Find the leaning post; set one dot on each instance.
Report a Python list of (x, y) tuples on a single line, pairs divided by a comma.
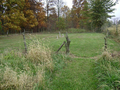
[(60, 47)]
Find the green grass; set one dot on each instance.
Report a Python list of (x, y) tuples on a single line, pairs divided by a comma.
[(70, 30), (107, 72), (84, 44), (75, 73)]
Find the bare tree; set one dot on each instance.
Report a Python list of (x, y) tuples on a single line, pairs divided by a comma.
[(49, 5), (59, 4)]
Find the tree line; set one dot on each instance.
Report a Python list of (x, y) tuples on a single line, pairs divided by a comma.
[(51, 15)]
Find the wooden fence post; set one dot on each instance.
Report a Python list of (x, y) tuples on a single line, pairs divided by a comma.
[(59, 34), (24, 42), (105, 49), (107, 33), (67, 44)]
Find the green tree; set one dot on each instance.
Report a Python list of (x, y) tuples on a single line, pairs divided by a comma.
[(100, 10), (30, 17), (65, 14), (13, 15), (60, 24), (109, 23)]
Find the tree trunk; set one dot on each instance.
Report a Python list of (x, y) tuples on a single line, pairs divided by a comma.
[(58, 10), (2, 21), (7, 33), (2, 27), (47, 8)]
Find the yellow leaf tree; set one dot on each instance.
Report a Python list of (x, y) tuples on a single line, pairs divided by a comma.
[(13, 16), (31, 20), (18, 15)]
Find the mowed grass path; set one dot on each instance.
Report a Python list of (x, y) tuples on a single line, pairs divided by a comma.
[(77, 75), (78, 72)]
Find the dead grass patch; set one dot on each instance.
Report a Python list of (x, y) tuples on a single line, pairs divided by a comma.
[(23, 81), (40, 54)]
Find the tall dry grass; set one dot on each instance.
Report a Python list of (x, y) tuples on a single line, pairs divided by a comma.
[(106, 55), (32, 71), (23, 81), (40, 54), (25, 72), (112, 30)]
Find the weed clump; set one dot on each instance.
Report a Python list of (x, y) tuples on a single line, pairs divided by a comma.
[(106, 55), (107, 72), (9, 79), (23, 81), (40, 54)]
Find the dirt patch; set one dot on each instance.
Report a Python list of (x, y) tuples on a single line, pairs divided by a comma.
[(115, 54), (95, 57), (79, 37)]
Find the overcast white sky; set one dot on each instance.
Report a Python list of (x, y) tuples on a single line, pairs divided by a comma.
[(116, 12)]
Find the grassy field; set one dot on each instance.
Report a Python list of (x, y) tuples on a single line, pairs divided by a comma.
[(72, 72)]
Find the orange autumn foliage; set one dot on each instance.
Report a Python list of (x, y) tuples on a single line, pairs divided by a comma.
[(77, 9), (40, 15)]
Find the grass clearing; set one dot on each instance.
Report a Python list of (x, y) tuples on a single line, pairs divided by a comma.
[(75, 73)]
